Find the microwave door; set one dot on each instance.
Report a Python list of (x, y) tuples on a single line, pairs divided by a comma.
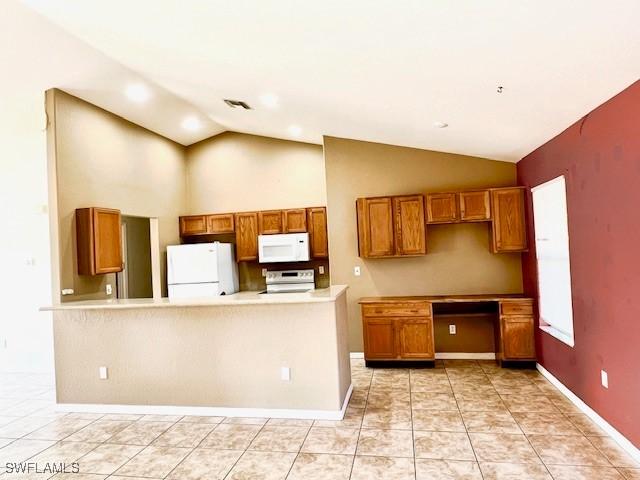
[(277, 252)]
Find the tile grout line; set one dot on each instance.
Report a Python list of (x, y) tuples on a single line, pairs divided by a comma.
[(413, 436), (460, 412), (144, 447), (300, 449), (193, 449), (366, 403), (245, 450)]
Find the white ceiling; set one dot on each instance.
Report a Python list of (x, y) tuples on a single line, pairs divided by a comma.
[(36, 55), (378, 70)]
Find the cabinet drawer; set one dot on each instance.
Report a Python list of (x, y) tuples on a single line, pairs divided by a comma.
[(397, 310), (516, 308)]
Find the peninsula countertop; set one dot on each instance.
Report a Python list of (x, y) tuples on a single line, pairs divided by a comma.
[(329, 294)]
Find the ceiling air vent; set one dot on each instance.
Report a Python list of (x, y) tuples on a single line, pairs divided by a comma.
[(237, 103)]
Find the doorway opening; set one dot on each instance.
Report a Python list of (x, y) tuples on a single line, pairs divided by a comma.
[(136, 278)]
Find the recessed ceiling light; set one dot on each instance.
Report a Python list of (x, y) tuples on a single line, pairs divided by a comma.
[(440, 124), (191, 123), (269, 100), (295, 130), (138, 92)]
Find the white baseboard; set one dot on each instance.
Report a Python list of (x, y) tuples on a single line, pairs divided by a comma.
[(448, 356), (465, 356), (629, 447), (210, 411)]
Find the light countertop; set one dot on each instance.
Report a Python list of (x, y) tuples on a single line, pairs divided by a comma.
[(241, 298)]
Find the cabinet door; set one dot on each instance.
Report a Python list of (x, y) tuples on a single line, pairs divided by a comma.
[(107, 240), (442, 208), (508, 230), (379, 338), (410, 225), (375, 227), (246, 236), (220, 223), (416, 338), (269, 222), (474, 206), (317, 225), (193, 225), (295, 221), (517, 338)]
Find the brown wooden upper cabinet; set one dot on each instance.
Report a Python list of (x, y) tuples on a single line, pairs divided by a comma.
[(474, 206), (409, 225), (98, 241), (442, 208), (508, 229), (270, 222), (246, 224), (220, 223), (391, 226), (193, 225), (317, 227), (295, 220)]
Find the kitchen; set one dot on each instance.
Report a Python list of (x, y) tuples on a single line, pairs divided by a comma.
[(243, 243), (264, 263)]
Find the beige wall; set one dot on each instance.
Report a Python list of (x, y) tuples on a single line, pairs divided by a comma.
[(234, 172), (103, 160), (458, 259), (238, 351)]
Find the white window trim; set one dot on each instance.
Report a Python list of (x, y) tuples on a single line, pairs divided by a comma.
[(549, 329), (554, 332)]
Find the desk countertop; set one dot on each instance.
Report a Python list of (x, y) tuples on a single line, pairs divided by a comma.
[(449, 298)]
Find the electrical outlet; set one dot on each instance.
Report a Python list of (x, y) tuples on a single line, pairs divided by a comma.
[(452, 329), (103, 373), (67, 291), (285, 374), (321, 269), (109, 289), (264, 272), (604, 378), (356, 271)]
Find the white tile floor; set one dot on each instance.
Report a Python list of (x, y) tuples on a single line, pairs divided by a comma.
[(461, 420)]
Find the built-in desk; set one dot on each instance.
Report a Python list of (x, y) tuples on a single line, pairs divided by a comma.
[(401, 328)]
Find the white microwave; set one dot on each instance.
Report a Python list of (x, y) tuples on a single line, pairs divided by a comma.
[(287, 247)]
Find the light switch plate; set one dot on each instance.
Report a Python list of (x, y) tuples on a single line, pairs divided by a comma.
[(604, 378), (285, 374), (356, 271), (321, 269), (103, 373)]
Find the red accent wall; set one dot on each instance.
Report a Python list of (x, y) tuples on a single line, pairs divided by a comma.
[(600, 157)]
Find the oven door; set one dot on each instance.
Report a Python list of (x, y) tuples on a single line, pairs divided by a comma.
[(292, 247)]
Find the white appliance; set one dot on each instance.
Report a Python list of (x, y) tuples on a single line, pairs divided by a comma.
[(201, 270), (290, 281), (286, 247)]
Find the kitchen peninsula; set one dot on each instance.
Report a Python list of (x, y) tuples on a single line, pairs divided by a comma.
[(247, 354)]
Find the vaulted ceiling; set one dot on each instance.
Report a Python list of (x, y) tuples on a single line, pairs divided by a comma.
[(377, 70)]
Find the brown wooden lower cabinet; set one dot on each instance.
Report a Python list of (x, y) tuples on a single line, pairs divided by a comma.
[(398, 331), (415, 338), (401, 328)]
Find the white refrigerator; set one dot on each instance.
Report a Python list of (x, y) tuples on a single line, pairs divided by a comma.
[(201, 270)]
